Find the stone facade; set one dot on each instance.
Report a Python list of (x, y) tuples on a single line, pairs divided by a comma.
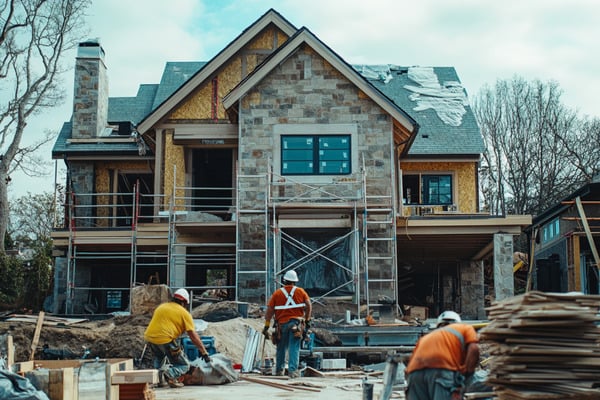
[(90, 98), (306, 91)]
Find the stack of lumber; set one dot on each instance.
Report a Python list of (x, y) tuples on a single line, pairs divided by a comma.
[(135, 385), (544, 346)]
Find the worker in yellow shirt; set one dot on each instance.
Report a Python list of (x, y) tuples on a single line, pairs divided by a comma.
[(169, 321)]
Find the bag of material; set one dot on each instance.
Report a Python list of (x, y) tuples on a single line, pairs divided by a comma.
[(218, 372)]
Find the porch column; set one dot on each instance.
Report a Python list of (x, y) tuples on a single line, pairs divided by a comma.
[(504, 285)]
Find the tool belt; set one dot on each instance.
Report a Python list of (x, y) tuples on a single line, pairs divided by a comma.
[(298, 328), (276, 335), (175, 349)]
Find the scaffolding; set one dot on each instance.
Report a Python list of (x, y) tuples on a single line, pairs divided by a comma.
[(368, 215), (175, 236)]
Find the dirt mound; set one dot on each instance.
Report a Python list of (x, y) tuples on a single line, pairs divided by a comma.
[(123, 336)]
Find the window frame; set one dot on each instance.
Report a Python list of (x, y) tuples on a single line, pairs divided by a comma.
[(316, 129), (406, 176), (317, 151)]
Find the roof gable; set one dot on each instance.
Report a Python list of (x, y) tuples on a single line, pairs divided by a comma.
[(166, 105), (304, 36)]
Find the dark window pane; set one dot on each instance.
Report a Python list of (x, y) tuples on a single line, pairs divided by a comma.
[(315, 155)]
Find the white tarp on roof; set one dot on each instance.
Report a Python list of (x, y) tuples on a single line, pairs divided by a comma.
[(375, 72), (448, 100)]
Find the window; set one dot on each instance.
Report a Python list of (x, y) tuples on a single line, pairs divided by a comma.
[(315, 155), (551, 230), (427, 189)]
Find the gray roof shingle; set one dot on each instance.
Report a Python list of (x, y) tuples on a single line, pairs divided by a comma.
[(435, 137)]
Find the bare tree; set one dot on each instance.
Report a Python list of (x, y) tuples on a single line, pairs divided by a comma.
[(34, 35), (531, 140)]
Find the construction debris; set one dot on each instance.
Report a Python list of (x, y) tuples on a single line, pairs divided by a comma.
[(544, 346)]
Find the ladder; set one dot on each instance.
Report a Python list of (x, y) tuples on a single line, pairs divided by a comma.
[(379, 247), (252, 236)]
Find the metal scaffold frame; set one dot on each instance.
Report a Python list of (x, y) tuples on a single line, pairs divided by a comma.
[(248, 211), (373, 226)]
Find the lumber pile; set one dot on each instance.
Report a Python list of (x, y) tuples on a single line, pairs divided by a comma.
[(544, 346), (136, 385)]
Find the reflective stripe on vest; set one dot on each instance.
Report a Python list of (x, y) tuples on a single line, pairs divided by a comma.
[(456, 333), (290, 300)]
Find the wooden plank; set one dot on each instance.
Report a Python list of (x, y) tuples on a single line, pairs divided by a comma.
[(10, 352), (267, 383), (61, 384), (36, 336), (136, 376)]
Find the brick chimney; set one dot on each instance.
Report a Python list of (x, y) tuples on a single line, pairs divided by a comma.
[(90, 98)]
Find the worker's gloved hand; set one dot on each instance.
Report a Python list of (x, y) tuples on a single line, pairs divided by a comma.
[(265, 331), (205, 357), (307, 324)]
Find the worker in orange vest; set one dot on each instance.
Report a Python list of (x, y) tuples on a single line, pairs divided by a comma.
[(442, 360), (291, 307)]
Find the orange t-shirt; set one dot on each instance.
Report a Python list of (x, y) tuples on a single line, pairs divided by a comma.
[(278, 299), (442, 348)]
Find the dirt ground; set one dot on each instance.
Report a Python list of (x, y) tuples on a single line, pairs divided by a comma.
[(122, 336)]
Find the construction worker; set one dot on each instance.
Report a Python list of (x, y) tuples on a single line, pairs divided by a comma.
[(291, 307), (169, 321), (442, 360)]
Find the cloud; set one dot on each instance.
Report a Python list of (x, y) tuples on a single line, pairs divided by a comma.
[(485, 41)]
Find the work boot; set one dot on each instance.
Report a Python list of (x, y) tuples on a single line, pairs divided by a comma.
[(280, 372), (294, 374), (162, 380), (172, 382)]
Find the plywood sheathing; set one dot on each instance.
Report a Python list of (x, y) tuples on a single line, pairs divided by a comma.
[(102, 183), (198, 106), (174, 169), (465, 180)]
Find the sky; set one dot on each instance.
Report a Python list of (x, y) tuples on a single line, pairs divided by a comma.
[(485, 41)]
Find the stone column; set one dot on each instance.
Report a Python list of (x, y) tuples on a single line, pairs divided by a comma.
[(504, 285), (472, 290)]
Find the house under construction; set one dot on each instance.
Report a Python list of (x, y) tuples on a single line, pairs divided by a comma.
[(277, 154)]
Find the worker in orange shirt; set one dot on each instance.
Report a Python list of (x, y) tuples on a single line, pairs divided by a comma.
[(291, 307), (442, 360)]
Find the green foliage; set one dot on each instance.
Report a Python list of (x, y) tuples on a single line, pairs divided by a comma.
[(11, 280), (39, 276)]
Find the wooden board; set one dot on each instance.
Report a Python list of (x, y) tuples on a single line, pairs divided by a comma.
[(36, 335), (136, 376)]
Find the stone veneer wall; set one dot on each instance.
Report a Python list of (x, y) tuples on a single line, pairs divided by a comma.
[(305, 89), (81, 177), (90, 99), (472, 290)]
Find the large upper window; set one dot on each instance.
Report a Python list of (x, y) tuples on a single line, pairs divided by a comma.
[(427, 189), (315, 155)]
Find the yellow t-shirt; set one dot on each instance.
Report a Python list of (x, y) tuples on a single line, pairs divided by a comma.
[(168, 322)]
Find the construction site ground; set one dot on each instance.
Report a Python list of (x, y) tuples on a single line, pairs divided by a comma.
[(121, 336), (328, 388)]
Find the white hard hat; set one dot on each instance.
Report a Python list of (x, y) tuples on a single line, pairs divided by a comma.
[(182, 294), (290, 276), (448, 317)]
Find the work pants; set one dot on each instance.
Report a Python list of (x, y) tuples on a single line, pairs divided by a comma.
[(434, 384), (177, 362), (288, 344)]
